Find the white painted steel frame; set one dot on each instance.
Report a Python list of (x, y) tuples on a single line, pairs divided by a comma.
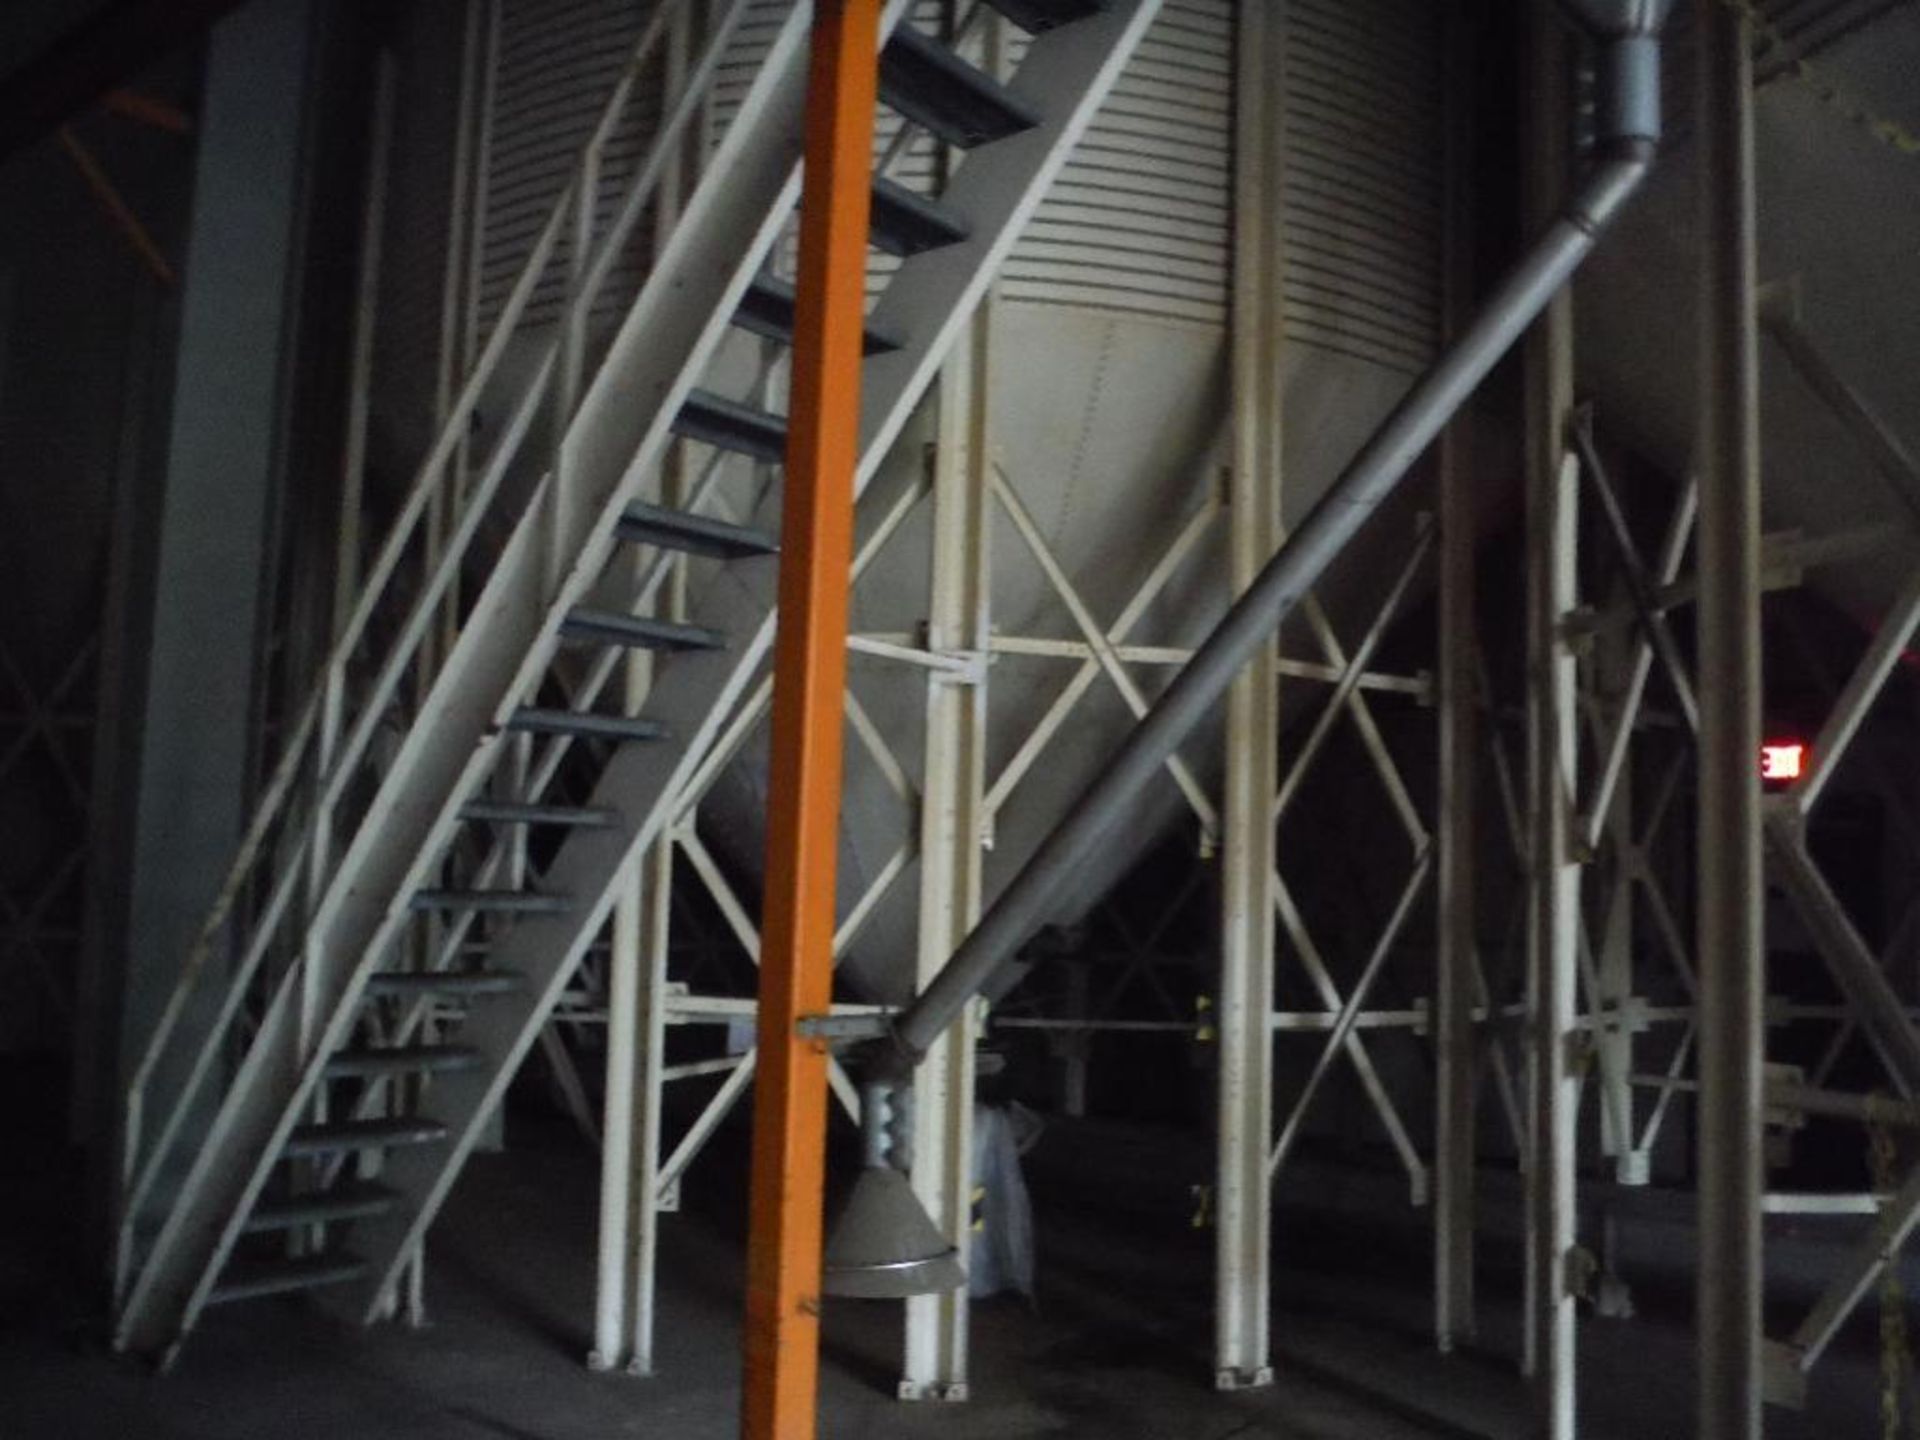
[(1347, 1010), (1060, 710), (638, 938), (950, 791), (1872, 1002), (1553, 934), (1553, 870), (1873, 1005), (1028, 529), (1892, 1026), (952, 841), (936, 1341), (1619, 672)]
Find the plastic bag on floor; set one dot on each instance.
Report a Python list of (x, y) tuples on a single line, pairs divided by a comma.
[(1000, 1254), (742, 1034)]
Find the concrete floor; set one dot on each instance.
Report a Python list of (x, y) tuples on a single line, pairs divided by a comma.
[(1117, 1347)]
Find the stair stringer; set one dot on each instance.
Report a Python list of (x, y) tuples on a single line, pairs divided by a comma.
[(613, 444)]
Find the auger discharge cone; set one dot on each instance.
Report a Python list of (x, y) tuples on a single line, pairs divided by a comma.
[(885, 1246)]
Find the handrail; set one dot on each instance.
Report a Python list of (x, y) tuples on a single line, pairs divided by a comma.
[(335, 762), (544, 769), (291, 875)]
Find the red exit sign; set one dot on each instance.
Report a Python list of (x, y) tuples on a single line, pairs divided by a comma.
[(1782, 763)]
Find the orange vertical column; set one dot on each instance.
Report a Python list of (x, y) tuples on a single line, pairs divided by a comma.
[(810, 661)]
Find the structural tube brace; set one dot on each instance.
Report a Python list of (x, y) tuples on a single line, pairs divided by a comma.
[(1629, 118)]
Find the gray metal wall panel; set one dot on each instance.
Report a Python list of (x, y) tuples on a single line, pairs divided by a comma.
[(1138, 221), (222, 463), (427, 44), (1362, 178), (559, 61)]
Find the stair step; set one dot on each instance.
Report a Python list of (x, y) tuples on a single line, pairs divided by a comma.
[(333, 1136), (410, 984), (522, 812), (642, 632), (767, 309), (493, 902), (933, 87), (284, 1277), (698, 534), (1036, 17), (350, 1200), (905, 223), (585, 723), (401, 1060), (715, 420)]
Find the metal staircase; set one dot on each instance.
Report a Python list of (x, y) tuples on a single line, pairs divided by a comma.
[(315, 1101)]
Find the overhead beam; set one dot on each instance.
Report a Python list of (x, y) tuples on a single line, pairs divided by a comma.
[(118, 42), (122, 214)]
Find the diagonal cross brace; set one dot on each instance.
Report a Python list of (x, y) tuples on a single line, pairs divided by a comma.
[(1016, 769), (1109, 660), (1346, 695), (1348, 1013), (1316, 967), (1656, 636), (1863, 687), (1898, 1217), (1362, 711), (1852, 963)]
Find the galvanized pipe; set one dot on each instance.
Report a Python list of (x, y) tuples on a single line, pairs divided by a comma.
[(1296, 567)]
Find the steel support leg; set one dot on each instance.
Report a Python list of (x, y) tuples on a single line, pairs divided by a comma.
[(1076, 1048), (1455, 983), (1552, 749), (1731, 953), (1619, 669), (656, 907), (616, 1135), (780, 1393), (951, 828), (1554, 951), (630, 1127), (1243, 1231)]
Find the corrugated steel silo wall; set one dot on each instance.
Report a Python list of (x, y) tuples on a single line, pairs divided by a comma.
[(427, 44), (1108, 390)]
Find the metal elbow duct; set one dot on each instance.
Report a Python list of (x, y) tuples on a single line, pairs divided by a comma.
[(1628, 35)]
